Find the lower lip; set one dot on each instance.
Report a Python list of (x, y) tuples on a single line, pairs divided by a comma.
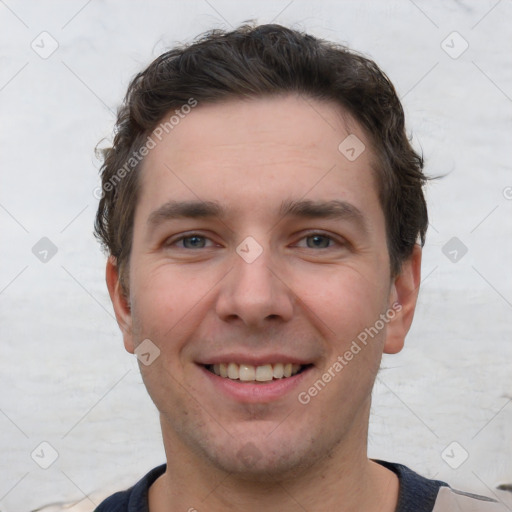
[(255, 393)]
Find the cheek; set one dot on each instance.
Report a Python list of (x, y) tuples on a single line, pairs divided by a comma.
[(169, 303), (345, 300)]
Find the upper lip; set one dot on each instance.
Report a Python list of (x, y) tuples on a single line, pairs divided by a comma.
[(254, 360)]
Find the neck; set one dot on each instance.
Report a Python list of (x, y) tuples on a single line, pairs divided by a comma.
[(345, 481)]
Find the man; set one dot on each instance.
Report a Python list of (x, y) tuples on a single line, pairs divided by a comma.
[(263, 213)]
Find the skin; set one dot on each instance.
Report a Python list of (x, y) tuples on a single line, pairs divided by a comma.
[(305, 296)]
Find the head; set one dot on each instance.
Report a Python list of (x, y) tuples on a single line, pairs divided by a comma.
[(253, 62), (239, 142)]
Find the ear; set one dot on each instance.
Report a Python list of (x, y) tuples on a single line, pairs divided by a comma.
[(404, 291), (120, 303)]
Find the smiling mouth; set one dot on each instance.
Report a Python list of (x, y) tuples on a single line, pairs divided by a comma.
[(249, 373)]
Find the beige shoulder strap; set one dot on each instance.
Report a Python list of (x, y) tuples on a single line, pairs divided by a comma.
[(451, 500)]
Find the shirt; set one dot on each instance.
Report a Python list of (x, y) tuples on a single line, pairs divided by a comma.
[(416, 494)]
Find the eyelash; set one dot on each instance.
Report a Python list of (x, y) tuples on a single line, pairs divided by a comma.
[(198, 235)]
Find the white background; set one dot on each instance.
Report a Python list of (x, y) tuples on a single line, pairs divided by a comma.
[(64, 375)]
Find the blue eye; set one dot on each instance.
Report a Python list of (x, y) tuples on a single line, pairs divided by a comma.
[(192, 241), (318, 241)]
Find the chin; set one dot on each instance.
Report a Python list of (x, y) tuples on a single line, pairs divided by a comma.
[(267, 468), (264, 458)]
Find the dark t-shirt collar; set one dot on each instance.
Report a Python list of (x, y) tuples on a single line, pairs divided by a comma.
[(416, 494)]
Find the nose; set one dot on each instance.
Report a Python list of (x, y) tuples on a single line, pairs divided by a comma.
[(254, 293)]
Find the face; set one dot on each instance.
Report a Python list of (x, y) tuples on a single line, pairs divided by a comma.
[(259, 249)]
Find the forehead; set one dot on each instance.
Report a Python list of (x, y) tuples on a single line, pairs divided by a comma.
[(240, 151)]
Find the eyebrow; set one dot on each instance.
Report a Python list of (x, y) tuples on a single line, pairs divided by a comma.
[(335, 209), (185, 209), (307, 209)]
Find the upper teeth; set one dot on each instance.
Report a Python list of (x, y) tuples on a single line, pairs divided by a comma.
[(248, 372)]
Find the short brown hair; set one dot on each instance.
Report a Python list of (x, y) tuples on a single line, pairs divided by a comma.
[(258, 61)]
